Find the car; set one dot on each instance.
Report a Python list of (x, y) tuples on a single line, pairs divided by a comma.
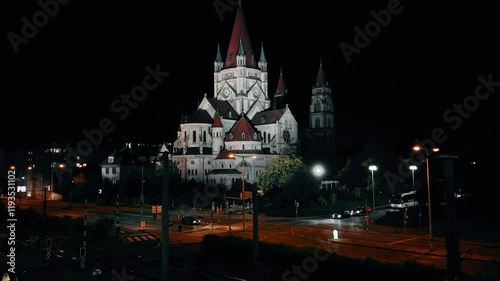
[(342, 215), (361, 210), (190, 220)]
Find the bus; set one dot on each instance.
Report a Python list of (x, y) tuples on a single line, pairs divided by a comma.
[(403, 200)]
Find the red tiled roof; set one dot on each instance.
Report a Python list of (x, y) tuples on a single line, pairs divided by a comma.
[(240, 31), (268, 116), (320, 79), (217, 122), (281, 84), (243, 130)]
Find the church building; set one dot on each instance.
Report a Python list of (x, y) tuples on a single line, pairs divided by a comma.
[(240, 127)]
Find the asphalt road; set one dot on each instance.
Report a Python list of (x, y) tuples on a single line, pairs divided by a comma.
[(385, 244)]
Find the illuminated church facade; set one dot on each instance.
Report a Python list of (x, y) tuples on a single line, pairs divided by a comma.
[(240, 128)]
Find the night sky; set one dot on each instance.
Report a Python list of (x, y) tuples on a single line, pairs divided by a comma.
[(397, 87)]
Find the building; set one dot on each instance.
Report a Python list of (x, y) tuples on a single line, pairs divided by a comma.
[(240, 127), (241, 119), (141, 160), (318, 140)]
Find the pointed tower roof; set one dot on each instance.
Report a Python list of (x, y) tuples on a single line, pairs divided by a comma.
[(320, 79), (217, 121), (281, 83), (240, 31), (262, 56), (242, 130), (241, 50), (218, 56)]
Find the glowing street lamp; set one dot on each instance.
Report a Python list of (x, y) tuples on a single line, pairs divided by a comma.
[(413, 168), (373, 168), (318, 171), (427, 154)]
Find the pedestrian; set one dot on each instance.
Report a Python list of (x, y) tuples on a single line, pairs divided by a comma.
[(180, 228)]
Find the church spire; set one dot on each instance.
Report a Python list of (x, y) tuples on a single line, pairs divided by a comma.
[(280, 94), (320, 79), (240, 31)]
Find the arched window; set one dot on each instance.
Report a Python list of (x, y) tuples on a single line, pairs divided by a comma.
[(204, 136), (264, 137), (194, 136), (317, 123), (243, 136)]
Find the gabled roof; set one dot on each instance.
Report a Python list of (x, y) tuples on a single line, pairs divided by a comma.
[(240, 32), (133, 153), (199, 116), (242, 130), (268, 116), (223, 108)]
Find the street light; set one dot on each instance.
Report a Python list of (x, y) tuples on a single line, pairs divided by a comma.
[(243, 184), (255, 222), (413, 168), (427, 154), (318, 171), (373, 168)]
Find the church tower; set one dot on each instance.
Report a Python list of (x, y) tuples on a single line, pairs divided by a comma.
[(320, 136), (239, 78)]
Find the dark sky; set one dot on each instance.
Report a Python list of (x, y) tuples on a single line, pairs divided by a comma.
[(420, 62)]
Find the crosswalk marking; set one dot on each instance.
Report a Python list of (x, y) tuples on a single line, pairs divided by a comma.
[(137, 238)]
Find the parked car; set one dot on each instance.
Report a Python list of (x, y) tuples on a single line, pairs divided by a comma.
[(342, 215), (190, 220)]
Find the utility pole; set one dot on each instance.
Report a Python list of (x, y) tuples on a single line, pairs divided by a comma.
[(143, 223), (51, 184), (451, 234), (165, 219), (255, 231)]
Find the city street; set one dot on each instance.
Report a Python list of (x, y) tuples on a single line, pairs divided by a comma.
[(383, 243)]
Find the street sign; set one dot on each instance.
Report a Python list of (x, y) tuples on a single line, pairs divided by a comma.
[(248, 194)]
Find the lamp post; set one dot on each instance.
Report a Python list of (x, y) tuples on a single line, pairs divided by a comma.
[(373, 168), (427, 154), (242, 184), (413, 168), (255, 243), (143, 223)]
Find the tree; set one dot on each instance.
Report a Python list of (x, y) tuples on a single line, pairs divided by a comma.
[(282, 171)]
